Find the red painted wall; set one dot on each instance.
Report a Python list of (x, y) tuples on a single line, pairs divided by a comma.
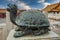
[(2, 15)]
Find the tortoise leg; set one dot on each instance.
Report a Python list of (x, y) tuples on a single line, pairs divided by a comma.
[(35, 31), (40, 31), (20, 33)]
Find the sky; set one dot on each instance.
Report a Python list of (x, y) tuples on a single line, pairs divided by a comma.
[(28, 4)]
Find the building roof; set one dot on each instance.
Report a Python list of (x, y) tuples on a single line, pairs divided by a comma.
[(53, 8), (4, 10)]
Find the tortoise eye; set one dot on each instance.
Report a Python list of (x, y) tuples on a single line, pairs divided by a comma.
[(8, 9)]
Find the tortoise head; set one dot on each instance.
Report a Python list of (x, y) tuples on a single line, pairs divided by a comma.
[(12, 8)]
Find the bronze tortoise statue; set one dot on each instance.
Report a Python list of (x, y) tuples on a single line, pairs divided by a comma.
[(29, 22)]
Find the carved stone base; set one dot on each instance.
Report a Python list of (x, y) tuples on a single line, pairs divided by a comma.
[(51, 34)]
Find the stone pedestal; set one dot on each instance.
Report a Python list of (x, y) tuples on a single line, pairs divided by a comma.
[(51, 34)]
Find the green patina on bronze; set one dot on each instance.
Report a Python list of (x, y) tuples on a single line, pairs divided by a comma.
[(30, 22)]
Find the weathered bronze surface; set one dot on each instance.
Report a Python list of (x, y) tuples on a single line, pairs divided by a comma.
[(29, 22)]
